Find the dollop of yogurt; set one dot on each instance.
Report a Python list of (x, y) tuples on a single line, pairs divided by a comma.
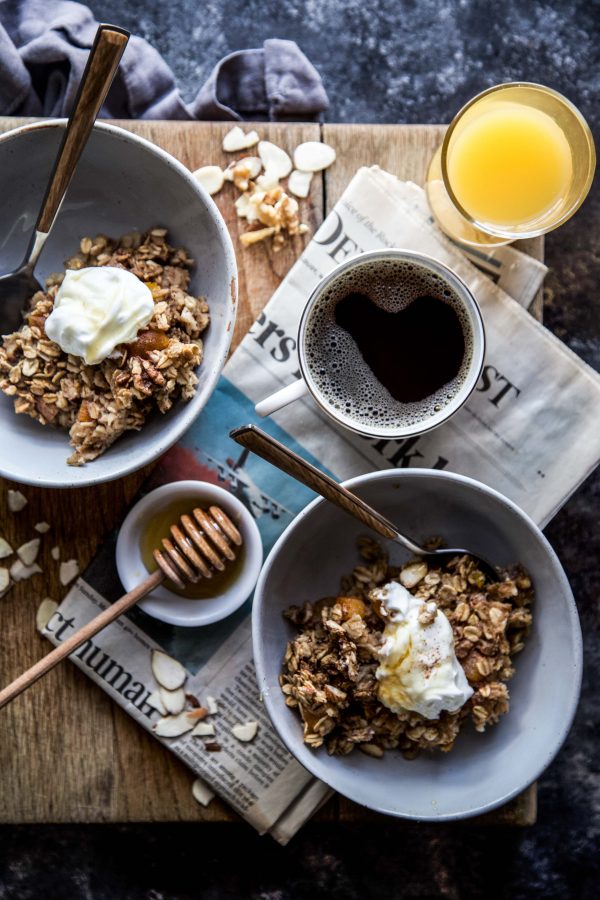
[(418, 668), (96, 309)]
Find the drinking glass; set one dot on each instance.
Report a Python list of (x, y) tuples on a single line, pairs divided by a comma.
[(516, 162)]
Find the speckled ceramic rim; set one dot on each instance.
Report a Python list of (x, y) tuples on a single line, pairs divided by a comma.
[(507, 234), (261, 599), (470, 306), (194, 406)]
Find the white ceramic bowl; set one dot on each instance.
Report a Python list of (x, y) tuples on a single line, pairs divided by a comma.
[(122, 183), (483, 770), (162, 603)]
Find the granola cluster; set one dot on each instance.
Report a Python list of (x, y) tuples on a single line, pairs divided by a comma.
[(96, 404), (329, 667)]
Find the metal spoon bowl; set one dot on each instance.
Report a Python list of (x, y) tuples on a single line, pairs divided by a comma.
[(279, 455)]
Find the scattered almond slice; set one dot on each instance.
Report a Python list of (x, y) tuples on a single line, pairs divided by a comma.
[(45, 611), (69, 570), (5, 549), (274, 159), (253, 237), (269, 180), (210, 177), (201, 792), (4, 581), (16, 501), (236, 139), (169, 673), (172, 726), (20, 572), (313, 156), (28, 552), (155, 701), (55, 553), (245, 732), (299, 183), (204, 729), (412, 574), (211, 705), (42, 527), (173, 701)]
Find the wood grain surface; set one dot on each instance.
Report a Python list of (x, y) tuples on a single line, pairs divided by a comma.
[(67, 752)]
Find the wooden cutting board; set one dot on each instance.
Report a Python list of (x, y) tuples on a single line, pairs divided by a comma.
[(67, 753)]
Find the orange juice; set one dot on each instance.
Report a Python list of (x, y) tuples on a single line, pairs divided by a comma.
[(509, 164)]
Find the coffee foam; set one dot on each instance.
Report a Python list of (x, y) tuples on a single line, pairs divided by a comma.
[(340, 376)]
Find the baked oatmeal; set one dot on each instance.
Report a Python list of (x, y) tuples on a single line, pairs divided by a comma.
[(332, 671), (98, 403)]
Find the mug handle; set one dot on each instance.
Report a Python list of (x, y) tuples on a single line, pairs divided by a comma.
[(281, 398)]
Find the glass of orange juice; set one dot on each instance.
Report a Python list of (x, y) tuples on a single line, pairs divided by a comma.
[(517, 161)]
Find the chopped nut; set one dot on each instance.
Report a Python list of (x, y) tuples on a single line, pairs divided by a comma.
[(20, 572), (155, 701), (243, 171), (299, 183), (28, 552), (412, 574), (201, 792), (173, 701), (235, 139), (69, 570), (212, 706), (5, 549), (16, 501), (55, 553), (172, 726), (200, 712), (193, 701), (253, 237), (245, 732), (42, 527), (212, 746), (169, 673), (46, 610), (275, 160), (203, 729), (313, 156), (210, 177), (4, 581)]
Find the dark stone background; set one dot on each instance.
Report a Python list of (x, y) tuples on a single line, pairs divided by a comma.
[(384, 61)]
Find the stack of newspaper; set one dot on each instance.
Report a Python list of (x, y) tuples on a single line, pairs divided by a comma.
[(535, 402)]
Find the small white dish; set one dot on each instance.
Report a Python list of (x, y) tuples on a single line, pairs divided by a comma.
[(162, 603)]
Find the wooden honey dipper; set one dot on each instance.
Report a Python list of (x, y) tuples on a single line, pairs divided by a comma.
[(202, 543)]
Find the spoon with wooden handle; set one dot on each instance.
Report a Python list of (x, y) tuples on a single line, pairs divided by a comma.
[(201, 543), (16, 288), (283, 458)]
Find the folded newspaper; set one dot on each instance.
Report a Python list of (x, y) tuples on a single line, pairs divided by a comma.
[(534, 403)]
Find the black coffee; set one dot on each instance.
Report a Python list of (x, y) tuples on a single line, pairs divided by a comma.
[(387, 345), (412, 352)]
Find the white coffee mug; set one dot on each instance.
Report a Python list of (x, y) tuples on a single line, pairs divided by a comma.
[(397, 421)]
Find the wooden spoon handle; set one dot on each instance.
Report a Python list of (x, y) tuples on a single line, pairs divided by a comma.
[(108, 615), (104, 58), (285, 459)]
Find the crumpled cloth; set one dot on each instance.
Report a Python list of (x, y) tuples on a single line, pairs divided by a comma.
[(44, 46)]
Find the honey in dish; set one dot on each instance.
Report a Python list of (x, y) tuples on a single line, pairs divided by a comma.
[(158, 528)]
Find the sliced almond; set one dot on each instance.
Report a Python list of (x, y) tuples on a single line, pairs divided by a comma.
[(173, 701), (245, 209), (274, 159), (28, 552), (169, 673), (269, 180), (55, 553), (155, 701), (69, 570), (211, 705), (4, 581), (42, 527), (5, 549), (313, 156), (20, 572), (236, 139), (210, 177), (45, 611), (201, 792), (16, 501), (412, 574), (253, 237), (245, 732), (299, 183), (172, 726), (203, 729)]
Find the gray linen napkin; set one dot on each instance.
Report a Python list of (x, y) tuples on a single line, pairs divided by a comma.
[(44, 46)]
